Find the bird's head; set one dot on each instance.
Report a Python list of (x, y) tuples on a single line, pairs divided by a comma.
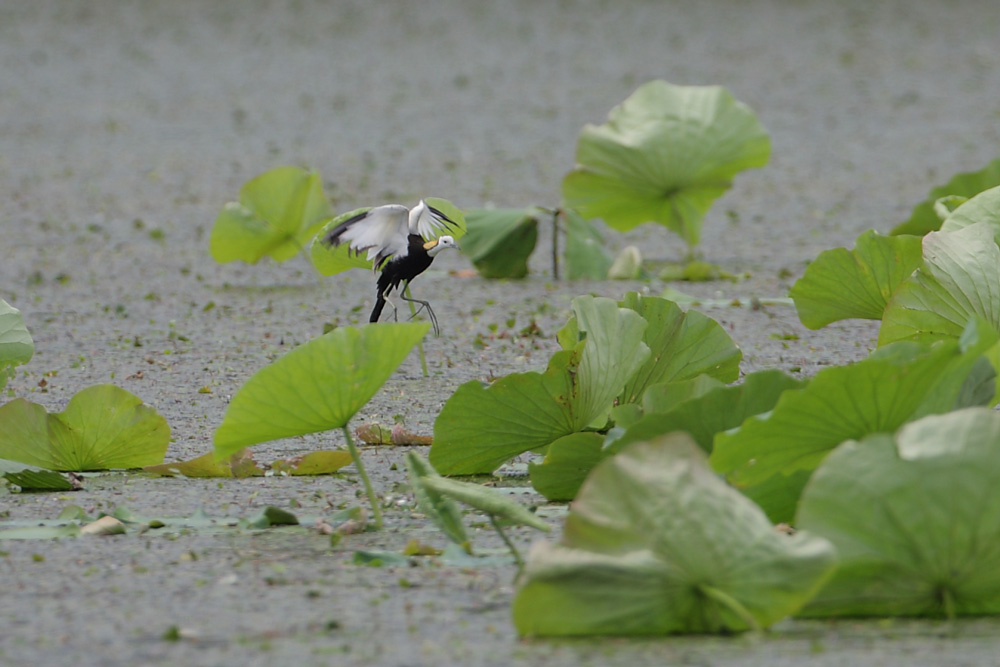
[(439, 244)]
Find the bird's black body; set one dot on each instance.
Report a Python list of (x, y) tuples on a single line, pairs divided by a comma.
[(400, 270)]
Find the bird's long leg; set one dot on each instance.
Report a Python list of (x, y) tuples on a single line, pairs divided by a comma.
[(423, 305)]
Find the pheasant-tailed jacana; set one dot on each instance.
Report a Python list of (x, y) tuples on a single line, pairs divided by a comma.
[(394, 238)]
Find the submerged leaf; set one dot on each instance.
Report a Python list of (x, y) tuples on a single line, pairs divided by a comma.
[(102, 427), (317, 386), (665, 155), (914, 518), (656, 543), (842, 284), (277, 215)]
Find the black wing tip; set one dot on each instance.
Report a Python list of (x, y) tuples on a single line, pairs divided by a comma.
[(439, 214), (332, 237)]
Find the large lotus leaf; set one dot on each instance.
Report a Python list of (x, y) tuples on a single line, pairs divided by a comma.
[(959, 279), (914, 518), (586, 255), (984, 207), (480, 428), (683, 345), (499, 241), (656, 543), (924, 219), (842, 284), (665, 155), (276, 216), (317, 386), (897, 384), (102, 427), (16, 346)]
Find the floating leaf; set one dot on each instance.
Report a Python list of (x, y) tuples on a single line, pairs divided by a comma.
[(317, 386), (843, 284), (586, 255), (923, 219), (656, 543), (665, 155), (480, 428), (959, 280), (31, 478), (240, 464), (102, 427), (16, 346), (277, 215), (914, 518), (499, 241), (440, 508), (896, 384)]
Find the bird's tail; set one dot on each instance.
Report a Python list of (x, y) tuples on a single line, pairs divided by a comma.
[(377, 310)]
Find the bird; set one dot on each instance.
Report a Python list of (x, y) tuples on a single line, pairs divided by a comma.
[(400, 242)]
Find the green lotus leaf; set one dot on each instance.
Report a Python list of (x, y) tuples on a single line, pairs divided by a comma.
[(842, 284), (665, 155), (895, 385), (16, 346), (486, 500), (567, 463), (480, 428), (586, 255), (33, 478), (102, 427), (683, 345), (914, 518), (656, 543), (924, 219), (499, 241), (277, 215), (317, 386), (959, 280), (984, 207)]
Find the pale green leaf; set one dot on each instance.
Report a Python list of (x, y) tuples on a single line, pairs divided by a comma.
[(914, 518), (656, 543), (665, 155), (16, 346), (923, 219), (102, 427)]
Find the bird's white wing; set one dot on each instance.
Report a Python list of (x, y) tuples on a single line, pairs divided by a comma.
[(381, 231), (428, 222)]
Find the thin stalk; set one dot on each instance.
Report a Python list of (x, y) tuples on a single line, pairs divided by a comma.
[(555, 243), (732, 604), (372, 498), (420, 343), (506, 540)]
